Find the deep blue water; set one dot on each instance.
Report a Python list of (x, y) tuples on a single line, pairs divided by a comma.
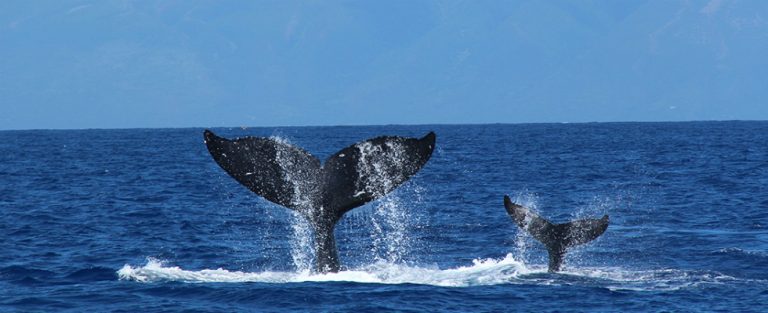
[(144, 220)]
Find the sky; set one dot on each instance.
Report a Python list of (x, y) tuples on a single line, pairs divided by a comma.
[(69, 64)]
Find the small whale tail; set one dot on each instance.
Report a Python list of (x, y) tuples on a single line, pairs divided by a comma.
[(556, 237), (289, 176)]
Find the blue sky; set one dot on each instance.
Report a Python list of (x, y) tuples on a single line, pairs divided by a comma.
[(125, 64)]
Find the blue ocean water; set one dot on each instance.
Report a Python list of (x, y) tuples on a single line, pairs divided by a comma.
[(144, 220)]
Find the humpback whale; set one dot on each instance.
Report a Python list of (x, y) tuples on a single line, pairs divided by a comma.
[(291, 177), (556, 237)]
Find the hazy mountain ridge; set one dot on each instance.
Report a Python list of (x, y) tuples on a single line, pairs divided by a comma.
[(133, 63)]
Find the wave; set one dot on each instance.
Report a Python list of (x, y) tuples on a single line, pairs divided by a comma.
[(25, 276), (483, 272), (739, 251)]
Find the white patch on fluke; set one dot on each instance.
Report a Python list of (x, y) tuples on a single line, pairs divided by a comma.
[(376, 165)]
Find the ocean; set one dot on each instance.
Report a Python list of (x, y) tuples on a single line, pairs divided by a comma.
[(144, 220)]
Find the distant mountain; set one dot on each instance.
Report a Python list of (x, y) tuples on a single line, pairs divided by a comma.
[(181, 63)]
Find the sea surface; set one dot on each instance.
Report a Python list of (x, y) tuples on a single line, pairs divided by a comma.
[(143, 220)]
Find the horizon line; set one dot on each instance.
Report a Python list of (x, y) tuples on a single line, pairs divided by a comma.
[(385, 125)]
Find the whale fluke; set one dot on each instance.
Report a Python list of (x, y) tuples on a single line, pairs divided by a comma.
[(556, 237), (290, 176)]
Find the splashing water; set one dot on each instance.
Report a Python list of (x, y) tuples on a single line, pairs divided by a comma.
[(390, 236), (301, 243), (598, 206), (303, 190), (523, 241), (390, 220), (482, 272)]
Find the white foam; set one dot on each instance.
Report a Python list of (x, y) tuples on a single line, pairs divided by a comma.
[(485, 272), (481, 272)]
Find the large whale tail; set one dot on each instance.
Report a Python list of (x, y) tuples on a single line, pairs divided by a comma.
[(289, 176), (556, 237)]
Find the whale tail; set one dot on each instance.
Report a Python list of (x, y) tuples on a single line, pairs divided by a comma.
[(556, 237), (290, 176)]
